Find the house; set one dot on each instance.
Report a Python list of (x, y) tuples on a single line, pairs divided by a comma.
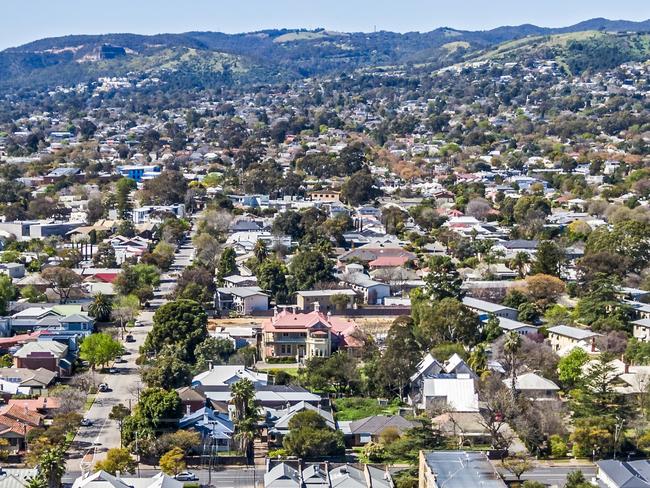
[(305, 299), (227, 374), (292, 474), (25, 381), (457, 469), (267, 396), (534, 386), (191, 399), (329, 196), (484, 309), (451, 385), (520, 328), (138, 172), (102, 479), (216, 429), (15, 425), (467, 428), (157, 213), (243, 300), (641, 329), (304, 335), (237, 281), (373, 292), (50, 355), (565, 338), (16, 477), (369, 429), (624, 474)]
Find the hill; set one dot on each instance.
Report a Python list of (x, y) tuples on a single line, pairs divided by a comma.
[(282, 54)]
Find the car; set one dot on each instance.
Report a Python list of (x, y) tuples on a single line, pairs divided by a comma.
[(186, 476), (129, 338), (139, 323), (103, 387), (86, 422), (113, 371), (120, 360)]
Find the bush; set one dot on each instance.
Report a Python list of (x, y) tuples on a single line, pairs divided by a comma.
[(558, 446)]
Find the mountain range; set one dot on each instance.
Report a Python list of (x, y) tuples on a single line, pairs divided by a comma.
[(284, 54)]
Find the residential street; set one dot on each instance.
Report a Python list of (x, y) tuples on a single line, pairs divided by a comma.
[(91, 443)]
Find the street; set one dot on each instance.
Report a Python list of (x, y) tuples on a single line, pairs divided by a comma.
[(91, 443), (553, 475)]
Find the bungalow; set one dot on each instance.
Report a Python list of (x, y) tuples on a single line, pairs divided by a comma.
[(369, 429), (216, 429), (279, 420), (102, 479), (237, 281), (25, 381), (641, 330)]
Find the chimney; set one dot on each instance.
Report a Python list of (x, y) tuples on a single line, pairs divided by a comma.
[(275, 311), (316, 306), (210, 365), (117, 474)]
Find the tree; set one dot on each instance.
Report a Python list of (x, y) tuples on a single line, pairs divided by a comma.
[(207, 248), (517, 465), (118, 413), (139, 280), (227, 265), (548, 259), (100, 349), (558, 446), (511, 348), (168, 371), (243, 398), (260, 251), (543, 289), (125, 309), (123, 189), (309, 437), (167, 189), (173, 461), (520, 262), (51, 464), (338, 372), (117, 459), (271, 277), (360, 188), (181, 324), (185, 440), (195, 283), (570, 367), (400, 357), (340, 301), (575, 479), (449, 321), (601, 309), (215, 349), (62, 281), (7, 293), (308, 268), (101, 307), (443, 280)]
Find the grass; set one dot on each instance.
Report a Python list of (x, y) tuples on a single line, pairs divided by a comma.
[(356, 408), (90, 399)]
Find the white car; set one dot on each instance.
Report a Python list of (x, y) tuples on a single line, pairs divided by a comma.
[(186, 476)]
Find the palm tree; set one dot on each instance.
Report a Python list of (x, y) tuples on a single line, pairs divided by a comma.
[(260, 251), (521, 261), (101, 307), (245, 435), (52, 466), (511, 348), (478, 359), (243, 398)]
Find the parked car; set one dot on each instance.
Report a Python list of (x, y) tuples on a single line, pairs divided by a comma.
[(113, 371), (186, 476), (86, 422), (129, 338), (103, 387), (120, 360)]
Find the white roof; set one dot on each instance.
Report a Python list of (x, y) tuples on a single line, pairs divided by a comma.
[(458, 392), (484, 305), (572, 332), (531, 381), (225, 374)]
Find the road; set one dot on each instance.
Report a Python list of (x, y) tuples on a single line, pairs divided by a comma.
[(91, 443), (553, 475), (225, 478)]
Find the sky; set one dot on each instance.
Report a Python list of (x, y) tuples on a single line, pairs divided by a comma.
[(27, 20)]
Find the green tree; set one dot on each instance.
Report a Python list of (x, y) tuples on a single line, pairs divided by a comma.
[(308, 268), (558, 446), (449, 321), (139, 280), (309, 437), (271, 277), (105, 256), (51, 464), (117, 459), (123, 189), (168, 371), (181, 324), (101, 307), (570, 367), (360, 188), (62, 280), (227, 265), (215, 349), (100, 349), (511, 348), (548, 259), (125, 309), (7, 293), (118, 413), (443, 280), (400, 357), (173, 461)]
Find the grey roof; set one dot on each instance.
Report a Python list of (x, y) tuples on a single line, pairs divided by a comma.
[(531, 381), (362, 280), (631, 474), (282, 476), (460, 469), (484, 305), (376, 424), (15, 478), (573, 332), (242, 291), (74, 318), (520, 244), (28, 377), (321, 293)]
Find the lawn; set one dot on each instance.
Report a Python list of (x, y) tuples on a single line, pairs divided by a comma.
[(356, 408)]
